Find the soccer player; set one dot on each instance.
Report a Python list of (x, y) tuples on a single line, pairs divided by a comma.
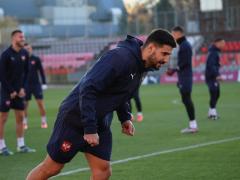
[(35, 87), (13, 75), (184, 72), (212, 76), (138, 103), (82, 122)]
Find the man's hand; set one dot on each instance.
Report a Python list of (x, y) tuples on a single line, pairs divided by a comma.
[(21, 93), (170, 71), (44, 87), (219, 78), (92, 139), (13, 95), (128, 128)]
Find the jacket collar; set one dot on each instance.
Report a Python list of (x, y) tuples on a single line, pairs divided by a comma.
[(181, 39)]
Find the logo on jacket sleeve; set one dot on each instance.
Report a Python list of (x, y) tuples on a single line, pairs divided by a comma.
[(66, 146)]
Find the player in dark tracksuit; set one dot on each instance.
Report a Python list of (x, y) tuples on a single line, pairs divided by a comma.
[(212, 76), (185, 80), (84, 118), (35, 86), (13, 75)]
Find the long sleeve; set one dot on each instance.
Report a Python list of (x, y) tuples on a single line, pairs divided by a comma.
[(213, 64), (42, 74), (184, 58), (3, 75), (96, 81), (123, 112), (25, 73)]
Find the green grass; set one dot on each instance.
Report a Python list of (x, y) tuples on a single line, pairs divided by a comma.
[(159, 131)]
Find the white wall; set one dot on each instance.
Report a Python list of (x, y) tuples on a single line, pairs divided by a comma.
[(68, 15)]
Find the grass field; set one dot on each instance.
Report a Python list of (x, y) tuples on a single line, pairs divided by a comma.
[(164, 117)]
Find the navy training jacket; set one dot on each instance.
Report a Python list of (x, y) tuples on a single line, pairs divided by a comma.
[(35, 69), (13, 70), (184, 59), (212, 63), (106, 87)]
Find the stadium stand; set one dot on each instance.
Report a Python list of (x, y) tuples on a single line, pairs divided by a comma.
[(71, 45), (231, 46), (66, 60), (229, 59), (68, 56)]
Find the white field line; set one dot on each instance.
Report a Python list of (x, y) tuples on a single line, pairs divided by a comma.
[(155, 154)]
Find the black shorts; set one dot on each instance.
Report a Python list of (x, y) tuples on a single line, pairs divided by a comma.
[(6, 103), (65, 142), (36, 90)]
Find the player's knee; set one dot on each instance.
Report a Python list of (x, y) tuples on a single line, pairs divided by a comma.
[(50, 170), (104, 173), (43, 171), (3, 119), (187, 101), (41, 106), (109, 172), (20, 116)]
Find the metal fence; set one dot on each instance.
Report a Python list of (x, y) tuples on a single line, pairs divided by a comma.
[(194, 21)]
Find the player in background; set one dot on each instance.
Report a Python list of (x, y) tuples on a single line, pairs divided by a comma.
[(185, 80), (35, 86), (212, 76), (138, 103), (83, 124), (13, 78)]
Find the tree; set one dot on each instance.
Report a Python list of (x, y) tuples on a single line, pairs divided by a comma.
[(164, 14), (7, 24), (123, 24)]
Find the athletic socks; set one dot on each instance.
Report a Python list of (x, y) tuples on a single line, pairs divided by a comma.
[(193, 124), (2, 143), (20, 142), (25, 120), (44, 119)]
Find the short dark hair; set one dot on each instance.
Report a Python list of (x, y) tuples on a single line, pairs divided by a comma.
[(15, 32), (178, 29), (160, 37), (218, 39)]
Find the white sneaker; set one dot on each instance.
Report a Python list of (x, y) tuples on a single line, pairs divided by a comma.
[(25, 149), (5, 152), (213, 117), (189, 130), (212, 114), (44, 125)]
